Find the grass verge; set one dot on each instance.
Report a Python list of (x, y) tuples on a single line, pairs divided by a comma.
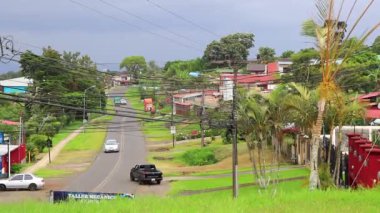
[(178, 186), (78, 154), (297, 199)]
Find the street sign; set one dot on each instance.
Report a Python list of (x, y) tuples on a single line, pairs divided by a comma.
[(172, 130), (49, 143)]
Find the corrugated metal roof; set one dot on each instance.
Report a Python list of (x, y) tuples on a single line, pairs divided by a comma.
[(370, 95), (4, 149), (16, 82), (256, 67)]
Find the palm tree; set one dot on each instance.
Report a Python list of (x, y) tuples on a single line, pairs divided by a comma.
[(253, 123), (301, 104), (329, 33), (261, 120)]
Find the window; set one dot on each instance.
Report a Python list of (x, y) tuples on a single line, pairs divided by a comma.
[(28, 177), (17, 177)]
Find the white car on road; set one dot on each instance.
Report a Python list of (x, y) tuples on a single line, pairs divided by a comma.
[(111, 145), (123, 101), (22, 181)]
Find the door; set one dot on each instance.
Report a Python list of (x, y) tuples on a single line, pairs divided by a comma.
[(28, 179), (16, 182)]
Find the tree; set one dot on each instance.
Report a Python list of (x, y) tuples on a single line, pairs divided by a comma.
[(287, 54), (254, 124), (304, 71), (233, 48), (376, 45), (301, 104), (134, 65), (266, 54), (329, 33)]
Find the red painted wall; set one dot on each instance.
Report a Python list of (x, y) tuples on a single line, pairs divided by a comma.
[(17, 156)]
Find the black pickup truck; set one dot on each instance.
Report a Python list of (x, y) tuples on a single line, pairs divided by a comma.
[(146, 173)]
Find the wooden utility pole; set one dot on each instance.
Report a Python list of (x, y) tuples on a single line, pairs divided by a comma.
[(172, 127), (202, 118)]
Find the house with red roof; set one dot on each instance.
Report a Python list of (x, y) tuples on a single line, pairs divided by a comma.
[(372, 102)]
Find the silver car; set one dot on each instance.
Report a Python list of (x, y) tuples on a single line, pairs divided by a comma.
[(111, 145), (22, 181)]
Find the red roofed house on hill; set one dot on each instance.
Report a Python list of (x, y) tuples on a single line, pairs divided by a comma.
[(372, 101)]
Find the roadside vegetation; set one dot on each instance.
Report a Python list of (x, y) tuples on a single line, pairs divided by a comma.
[(215, 182), (289, 198), (78, 154)]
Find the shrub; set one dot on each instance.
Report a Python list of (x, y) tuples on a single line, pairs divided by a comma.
[(39, 141), (16, 168), (199, 157), (180, 137), (32, 151), (325, 176)]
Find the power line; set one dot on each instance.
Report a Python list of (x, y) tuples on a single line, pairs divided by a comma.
[(182, 18), (16, 98), (133, 25), (147, 21)]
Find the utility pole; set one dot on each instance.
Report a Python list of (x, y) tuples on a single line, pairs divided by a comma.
[(202, 118), (9, 157), (172, 127), (234, 137)]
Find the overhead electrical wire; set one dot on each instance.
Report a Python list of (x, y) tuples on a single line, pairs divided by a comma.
[(147, 21), (182, 18), (133, 25)]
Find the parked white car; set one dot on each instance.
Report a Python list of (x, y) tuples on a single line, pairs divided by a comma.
[(111, 145), (123, 101), (22, 181)]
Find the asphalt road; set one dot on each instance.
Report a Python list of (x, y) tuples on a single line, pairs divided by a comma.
[(110, 171)]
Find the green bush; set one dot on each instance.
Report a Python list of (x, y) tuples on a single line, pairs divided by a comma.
[(325, 177), (39, 141), (16, 168), (180, 137), (199, 157)]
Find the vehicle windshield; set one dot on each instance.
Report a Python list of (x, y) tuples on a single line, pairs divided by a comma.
[(111, 142), (148, 167)]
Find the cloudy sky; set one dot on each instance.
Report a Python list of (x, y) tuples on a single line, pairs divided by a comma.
[(160, 30)]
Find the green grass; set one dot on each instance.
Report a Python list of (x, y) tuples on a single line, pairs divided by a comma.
[(156, 131), (66, 131), (228, 171), (133, 98), (221, 150), (209, 183), (298, 199), (50, 173), (87, 141)]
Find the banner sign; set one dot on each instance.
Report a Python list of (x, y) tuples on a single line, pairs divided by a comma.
[(59, 196), (1, 137)]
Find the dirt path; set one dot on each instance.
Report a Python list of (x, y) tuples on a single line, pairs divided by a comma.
[(53, 152)]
